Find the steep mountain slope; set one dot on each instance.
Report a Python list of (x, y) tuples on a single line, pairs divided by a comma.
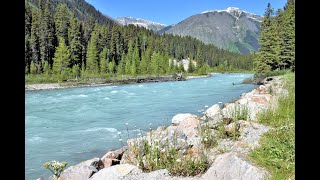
[(141, 22), (231, 29), (82, 9)]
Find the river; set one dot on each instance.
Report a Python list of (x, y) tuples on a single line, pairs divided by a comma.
[(78, 124)]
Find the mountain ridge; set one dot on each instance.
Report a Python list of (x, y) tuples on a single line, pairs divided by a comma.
[(141, 22), (231, 29)]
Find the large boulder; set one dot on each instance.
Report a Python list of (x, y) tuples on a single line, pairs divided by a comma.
[(251, 132), (214, 114), (234, 166), (158, 174), (116, 154), (82, 171), (181, 117), (115, 172), (113, 157)]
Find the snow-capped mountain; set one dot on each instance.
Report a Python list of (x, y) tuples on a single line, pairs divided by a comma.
[(236, 12), (141, 22), (232, 29)]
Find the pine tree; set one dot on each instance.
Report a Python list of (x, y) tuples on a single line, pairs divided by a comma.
[(135, 61), (265, 56), (35, 42), (181, 68), (33, 69), (92, 55), (61, 19), (144, 64), (199, 57), (46, 69), (75, 41), (27, 30), (83, 70), (289, 36), (61, 59), (111, 67), (154, 67), (121, 65), (171, 67), (76, 71), (103, 61), (191, 67), (47, 34), (129, 58)]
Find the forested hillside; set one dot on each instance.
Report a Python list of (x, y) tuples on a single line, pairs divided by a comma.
[(277, 39), (59, 46), (82, 10)]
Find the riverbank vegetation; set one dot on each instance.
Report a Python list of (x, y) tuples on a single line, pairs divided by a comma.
[(277, 150), (277, 57), (59, 47)]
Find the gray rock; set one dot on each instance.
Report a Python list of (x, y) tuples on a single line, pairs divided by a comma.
[(114, 172), (232, 165), (181, 117), (158, 174), (251, 132), (214, 114), (80, 171), (116, 154)]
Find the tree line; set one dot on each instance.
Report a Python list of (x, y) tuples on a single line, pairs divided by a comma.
[(60, 46), (277, 40)]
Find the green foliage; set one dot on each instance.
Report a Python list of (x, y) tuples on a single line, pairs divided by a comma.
[(74, 35), (240, 112), (61, 19), (181, 68), (61, 60), (104, 62), (92, 54), (153, 155), (135, 50), (191, 67), (277, 147), (56, 166), (33, 69), (111, 67), (277, 40), (207, 137)]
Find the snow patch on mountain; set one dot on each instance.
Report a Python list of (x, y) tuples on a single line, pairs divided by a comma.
[(236, 12)]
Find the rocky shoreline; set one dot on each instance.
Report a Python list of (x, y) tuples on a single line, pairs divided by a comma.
[(51, 86), (227, 160)]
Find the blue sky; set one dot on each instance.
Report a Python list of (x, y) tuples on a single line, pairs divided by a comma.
[(173, 11)]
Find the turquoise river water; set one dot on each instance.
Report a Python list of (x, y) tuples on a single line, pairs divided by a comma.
[(78, 124)]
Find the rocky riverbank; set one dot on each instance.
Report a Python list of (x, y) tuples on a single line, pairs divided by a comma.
[(176, 77), (224, 135)]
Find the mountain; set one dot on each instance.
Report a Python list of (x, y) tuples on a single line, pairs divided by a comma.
[(232, 29), (82, 9), (140, 22), (161, 31)]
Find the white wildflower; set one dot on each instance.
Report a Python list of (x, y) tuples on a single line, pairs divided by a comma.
[(205, 139), (178, 160)]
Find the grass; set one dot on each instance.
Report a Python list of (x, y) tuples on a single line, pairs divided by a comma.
[(273, 73), (277, 147), (207, 137), (240, 112), (154, 154)]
